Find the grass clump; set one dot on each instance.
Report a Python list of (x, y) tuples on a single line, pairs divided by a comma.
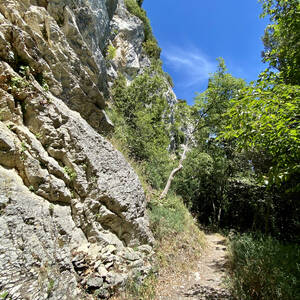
[(50, 287), (135, 289), (3, 295), (167, 216), (264, 268)]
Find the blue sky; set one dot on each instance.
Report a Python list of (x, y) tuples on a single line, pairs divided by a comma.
[(193, 33)]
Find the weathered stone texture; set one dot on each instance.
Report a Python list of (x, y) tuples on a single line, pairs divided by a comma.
[(71, 207)]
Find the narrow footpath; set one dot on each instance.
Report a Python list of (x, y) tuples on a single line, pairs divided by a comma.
[(207, 282)]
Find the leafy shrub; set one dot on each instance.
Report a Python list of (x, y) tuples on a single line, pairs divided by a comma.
[(111, 52), (264, 268), (140, 115), (152, 49), (170, 80)]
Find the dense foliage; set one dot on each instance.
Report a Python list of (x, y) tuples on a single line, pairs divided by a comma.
[(265, 120), (212, 103), (264, 268), (141, 117), (265, 117), (282, 38), (212, 165), (242, 166)]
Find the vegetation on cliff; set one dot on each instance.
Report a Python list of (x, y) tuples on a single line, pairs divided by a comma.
[(150, 44), (236, 151)]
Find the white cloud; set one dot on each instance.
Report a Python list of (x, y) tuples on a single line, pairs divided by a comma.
[(192, 66)]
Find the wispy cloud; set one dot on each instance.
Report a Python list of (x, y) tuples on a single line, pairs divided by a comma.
[(192, 66)]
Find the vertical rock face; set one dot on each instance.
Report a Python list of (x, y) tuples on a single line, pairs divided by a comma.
[(71, 207)]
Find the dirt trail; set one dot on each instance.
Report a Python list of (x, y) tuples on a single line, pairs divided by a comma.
[(207, 281)]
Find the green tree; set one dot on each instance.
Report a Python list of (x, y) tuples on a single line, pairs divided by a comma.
[(215, 100), (282, 38), (211, 163), (265, 119), (140, 113)]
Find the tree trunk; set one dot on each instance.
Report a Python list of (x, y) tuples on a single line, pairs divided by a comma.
[(173, 172), (183, 155)]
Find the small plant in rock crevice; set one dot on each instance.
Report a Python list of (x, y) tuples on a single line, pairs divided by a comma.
[(25, 71), (1, 113), (23, 147), (51, 209), (3, 295), (38, 135), (31, 188), (111, 52), (50, 287), (16, 83), (70, 172)]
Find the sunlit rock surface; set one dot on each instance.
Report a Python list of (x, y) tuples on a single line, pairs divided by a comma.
[(72, 210)]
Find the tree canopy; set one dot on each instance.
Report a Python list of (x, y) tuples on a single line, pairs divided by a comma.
[(282, 38)]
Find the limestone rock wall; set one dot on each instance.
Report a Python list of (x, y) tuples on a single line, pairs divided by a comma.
[(72, 210)]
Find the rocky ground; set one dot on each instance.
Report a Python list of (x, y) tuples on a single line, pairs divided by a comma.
[(204, 281)]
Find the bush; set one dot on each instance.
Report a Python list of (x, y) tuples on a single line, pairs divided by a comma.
[(170, 80), (264, 268), (152, 49), (111, 52), (140, 115)]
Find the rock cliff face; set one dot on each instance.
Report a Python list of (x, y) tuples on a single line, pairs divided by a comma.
[(71, 207)]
